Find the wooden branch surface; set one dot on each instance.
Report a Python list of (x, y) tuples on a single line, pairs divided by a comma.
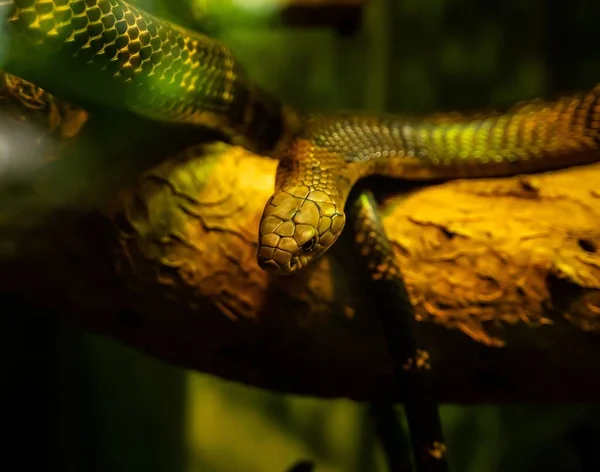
[(505, 275)]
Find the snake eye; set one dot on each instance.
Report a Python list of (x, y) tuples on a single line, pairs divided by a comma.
[(309, 245)]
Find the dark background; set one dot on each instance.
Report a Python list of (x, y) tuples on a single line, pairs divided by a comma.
[(76, 402)]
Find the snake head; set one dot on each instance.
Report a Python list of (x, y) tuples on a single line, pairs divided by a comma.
[(298, 225)]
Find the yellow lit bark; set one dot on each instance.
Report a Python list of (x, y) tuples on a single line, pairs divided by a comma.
[(504, 274)]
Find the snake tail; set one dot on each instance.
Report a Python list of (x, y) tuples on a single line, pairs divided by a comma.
[(411, 361)]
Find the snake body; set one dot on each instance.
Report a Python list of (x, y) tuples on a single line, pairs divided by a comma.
[(127, 58), (320, 165), (124, 57)]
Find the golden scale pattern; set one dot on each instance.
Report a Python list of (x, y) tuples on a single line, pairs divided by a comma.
[(528, 131), (188, 77), (183, 76), (290, 226), (29, 95), (333, 152), (437, 451)]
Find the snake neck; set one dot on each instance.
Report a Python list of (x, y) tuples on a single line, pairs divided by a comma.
[(303, 164)]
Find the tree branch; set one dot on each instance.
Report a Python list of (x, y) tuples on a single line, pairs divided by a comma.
[(504, 274)]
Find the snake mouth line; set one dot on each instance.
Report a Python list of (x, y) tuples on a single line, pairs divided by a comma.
[(288, 268)]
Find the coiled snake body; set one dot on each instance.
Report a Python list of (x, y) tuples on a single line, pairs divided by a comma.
[(123, 57)]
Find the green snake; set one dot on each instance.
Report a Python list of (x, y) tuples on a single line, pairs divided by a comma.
[(121, 56)]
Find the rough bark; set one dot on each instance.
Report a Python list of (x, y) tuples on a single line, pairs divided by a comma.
[(505, 275)]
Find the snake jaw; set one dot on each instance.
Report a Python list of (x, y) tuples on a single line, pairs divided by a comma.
[(288, 268), (297, 227)]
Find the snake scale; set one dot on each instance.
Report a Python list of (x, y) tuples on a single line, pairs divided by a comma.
[(122, 56), (410, 359)]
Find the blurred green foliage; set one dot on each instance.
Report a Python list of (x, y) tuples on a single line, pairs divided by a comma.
[(117, 410)]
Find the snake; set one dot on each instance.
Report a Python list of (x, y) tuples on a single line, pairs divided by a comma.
[(410, 359), (119, 56)]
